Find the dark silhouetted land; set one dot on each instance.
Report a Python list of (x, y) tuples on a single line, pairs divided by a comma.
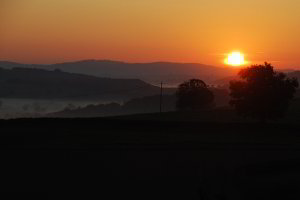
[(147, 157), (56, 84), (168, 72)]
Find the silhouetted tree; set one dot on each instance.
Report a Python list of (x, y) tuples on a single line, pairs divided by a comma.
[(193, 95), (262, 93)]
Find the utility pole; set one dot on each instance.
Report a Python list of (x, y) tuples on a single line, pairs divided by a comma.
[(160, 99)]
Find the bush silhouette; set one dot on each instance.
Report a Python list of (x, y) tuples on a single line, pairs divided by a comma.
[(193, 95), (262, 93)]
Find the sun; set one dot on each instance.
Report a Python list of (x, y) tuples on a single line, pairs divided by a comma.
[(235, 59)]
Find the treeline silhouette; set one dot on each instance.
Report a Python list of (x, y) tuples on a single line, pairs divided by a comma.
[(147, 104), (262, 93)]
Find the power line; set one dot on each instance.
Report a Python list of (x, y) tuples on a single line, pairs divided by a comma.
[(160, 98)]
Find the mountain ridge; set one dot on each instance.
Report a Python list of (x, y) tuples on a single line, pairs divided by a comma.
[(171, 73)]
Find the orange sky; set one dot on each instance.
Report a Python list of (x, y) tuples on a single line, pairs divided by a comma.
[(50, 31)]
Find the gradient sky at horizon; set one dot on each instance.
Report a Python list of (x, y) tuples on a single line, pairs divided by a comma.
[(202, 31)]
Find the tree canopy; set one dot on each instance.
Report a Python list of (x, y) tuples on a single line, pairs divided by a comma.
[(193, 95), (262, 93)]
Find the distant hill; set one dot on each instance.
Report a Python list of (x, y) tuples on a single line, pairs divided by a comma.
[(56, 84), (148, 104), (224, 82), (154, 73)]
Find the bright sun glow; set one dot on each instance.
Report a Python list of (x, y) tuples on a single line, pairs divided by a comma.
[(235, 59)]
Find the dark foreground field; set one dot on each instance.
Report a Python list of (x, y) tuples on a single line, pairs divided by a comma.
[(142, 159)]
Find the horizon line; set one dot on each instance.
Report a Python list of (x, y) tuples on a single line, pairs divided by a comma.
[(129, 62), (107, 60)]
